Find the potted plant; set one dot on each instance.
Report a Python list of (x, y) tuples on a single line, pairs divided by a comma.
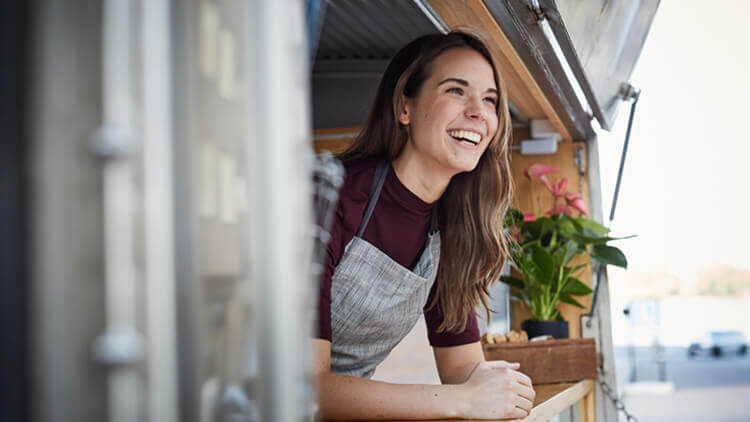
[(543, 251)]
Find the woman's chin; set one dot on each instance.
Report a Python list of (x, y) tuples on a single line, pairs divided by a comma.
[(464, 166)]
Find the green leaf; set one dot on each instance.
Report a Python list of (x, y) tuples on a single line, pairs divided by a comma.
[(558, 255), (535, 230), (567, 228), (513, 217), (566, 298), (570, 270), (592, 225), (576, 288), (597, 240), (577, 223), (513, 281), (609, 255), (541, 267), (571, 248), (532, 229), (589, 233), (564, 253)]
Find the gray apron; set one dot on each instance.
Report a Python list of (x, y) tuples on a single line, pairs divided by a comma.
[(375, 301)]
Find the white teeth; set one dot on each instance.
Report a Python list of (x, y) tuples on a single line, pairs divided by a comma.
[(470, 136)]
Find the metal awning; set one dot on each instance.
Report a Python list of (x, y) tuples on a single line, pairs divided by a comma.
[(578, 54), (608, 37), (600, 40), (369, 30)]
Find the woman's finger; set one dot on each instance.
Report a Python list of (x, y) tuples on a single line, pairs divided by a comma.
[(526, 392), (524, 403), (523, 378), (519, 413), (496, 364)]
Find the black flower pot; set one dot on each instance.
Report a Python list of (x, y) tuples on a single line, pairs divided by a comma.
[(556, 329)]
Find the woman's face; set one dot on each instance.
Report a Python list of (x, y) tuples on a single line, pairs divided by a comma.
[(453, 118)]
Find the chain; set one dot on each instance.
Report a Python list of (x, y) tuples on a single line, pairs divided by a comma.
[(619, 404)]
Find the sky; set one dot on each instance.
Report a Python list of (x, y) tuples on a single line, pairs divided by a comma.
[(684, 190)]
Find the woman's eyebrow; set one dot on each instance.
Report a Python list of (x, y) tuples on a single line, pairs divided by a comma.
[(464, 82)]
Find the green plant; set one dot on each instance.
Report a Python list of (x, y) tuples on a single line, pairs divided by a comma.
[(543, 250)]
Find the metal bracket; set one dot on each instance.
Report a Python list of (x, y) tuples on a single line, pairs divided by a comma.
[(628, 92), (112, 142), (579, 159), (537, 9), (119, 347)]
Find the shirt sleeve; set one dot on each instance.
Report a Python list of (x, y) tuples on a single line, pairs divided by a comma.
[(434, 317)]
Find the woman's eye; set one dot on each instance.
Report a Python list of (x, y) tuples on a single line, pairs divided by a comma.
[(455, 90), (491, 100)]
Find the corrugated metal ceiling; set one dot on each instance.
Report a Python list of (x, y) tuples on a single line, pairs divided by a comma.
[(369, 29)]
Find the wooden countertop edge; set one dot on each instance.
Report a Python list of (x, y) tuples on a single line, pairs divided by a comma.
[(554, 399), (559, 401)]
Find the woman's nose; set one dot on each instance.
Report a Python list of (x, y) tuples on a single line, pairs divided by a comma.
[(474, 109)]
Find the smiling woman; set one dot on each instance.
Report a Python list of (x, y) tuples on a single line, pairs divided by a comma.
[(448, 121), (424, 238)]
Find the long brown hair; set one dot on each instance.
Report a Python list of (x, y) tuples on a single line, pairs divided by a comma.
[(471, 209)]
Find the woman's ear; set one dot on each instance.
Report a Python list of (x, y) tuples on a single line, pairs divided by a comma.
[(404, 114)]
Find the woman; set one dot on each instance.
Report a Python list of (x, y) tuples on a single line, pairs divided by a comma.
[(418, 229)]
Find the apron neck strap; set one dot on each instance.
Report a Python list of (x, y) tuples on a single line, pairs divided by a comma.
[(434, 220), (381, 171), (377, 185)]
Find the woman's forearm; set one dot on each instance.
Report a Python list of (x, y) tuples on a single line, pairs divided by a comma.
[(346, 397)]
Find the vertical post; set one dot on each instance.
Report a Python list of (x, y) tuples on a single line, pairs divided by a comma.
[(121, 346), (280, 159), (599, 325), (158, 231), (66, 309)]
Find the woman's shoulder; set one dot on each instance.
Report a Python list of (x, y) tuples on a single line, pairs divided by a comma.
[(358, 176), (360, 166)]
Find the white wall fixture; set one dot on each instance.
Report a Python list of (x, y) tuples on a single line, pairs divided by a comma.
[(542, 146), (544, 139), (542, 128)]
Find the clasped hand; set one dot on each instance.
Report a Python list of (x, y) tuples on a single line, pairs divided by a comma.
[(497, 390)]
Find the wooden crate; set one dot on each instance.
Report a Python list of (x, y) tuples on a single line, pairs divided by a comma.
[(549, 361)]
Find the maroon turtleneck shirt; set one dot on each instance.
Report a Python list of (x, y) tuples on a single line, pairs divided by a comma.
[(399, 227)]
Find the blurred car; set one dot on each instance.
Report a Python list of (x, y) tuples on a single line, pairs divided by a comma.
[(717, 343)]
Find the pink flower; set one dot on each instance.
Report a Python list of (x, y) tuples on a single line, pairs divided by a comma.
[(535, 171), (546, 183), (557, 188), (579, 205), (527, 216), (559, 209)]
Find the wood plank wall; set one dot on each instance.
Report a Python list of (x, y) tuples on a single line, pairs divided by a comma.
[(523, 200), (332, 140)]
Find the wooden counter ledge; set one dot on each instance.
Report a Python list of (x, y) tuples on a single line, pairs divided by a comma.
[(552, 399)]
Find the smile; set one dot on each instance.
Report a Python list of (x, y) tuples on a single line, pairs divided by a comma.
[(466, 137)]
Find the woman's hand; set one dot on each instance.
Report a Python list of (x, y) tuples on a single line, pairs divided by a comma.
[(496, 390)]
